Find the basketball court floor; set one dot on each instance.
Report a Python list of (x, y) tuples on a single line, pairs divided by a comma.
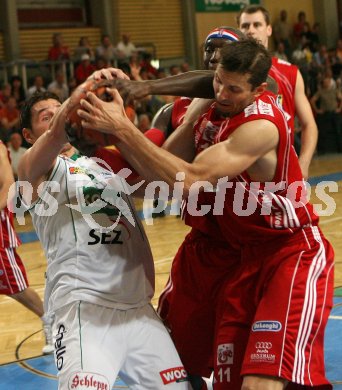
[(22, 365)]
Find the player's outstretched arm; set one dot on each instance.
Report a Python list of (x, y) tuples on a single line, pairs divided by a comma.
[(197, 83), (250, 142)]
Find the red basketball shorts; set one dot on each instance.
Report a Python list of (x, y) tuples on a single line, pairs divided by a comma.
[(274, 311), (13, 277), (189, 300)]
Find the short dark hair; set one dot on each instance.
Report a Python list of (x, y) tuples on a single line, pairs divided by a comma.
[(252, 9), (26, 113), (247, 56)]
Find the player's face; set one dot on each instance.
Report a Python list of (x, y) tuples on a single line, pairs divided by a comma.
[(254, 25), (41, 114), (233, 92), (212, 50)]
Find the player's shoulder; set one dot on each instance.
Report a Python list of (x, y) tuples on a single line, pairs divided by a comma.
[(280, 63)]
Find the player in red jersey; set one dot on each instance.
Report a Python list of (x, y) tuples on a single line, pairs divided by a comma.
[(254, 20), (13, 279), (282, 254)]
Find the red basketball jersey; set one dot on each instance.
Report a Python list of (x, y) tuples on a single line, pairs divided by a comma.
[(178, 111), (8, 237), (254, 211), (285, 74)]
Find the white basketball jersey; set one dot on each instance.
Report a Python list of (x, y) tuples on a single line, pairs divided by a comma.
[(95, 245)]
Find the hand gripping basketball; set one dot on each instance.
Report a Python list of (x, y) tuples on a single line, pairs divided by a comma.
[(84, 139)]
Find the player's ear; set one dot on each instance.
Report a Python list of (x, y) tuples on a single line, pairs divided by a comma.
[(260, 89), (28, 135)]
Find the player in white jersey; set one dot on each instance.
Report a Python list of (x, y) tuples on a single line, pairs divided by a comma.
[(100, 274)]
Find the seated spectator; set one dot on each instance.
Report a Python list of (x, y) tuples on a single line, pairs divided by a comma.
[(16, 151), (84, 69), (5, 93), (83, 47), (58, 51), (38, 86), (18, 90), (9, 118), (125, 48), (59, 86), (106, 50)]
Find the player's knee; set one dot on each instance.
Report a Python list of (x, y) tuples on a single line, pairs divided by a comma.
[(254, 382)]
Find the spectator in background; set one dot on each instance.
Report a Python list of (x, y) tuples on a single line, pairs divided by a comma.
[(185, 67), (339, 50), (174, 70), (106, 50), (321, 58), (146, 64), (9, 118), (125, 48), (18, 90), (328, 117), (315, 39), (59, 86), (280, 52), (282, 33), (58, 51), (38, 86), (72, 84), (16, 151), (100, 63), (84, 69), (161, 74), (5, 93), (299, 27), (144, 122), (134, 64), (83, 47)]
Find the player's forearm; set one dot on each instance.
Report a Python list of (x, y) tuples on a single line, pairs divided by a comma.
[(309, 137), (40, 158), (4, 191), (198, 83)]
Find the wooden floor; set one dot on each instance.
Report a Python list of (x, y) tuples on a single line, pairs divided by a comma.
[(166, 234)]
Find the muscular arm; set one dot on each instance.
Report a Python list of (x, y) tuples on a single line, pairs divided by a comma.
[(308, 125), (197, 83), (250, 142), (6, 177)]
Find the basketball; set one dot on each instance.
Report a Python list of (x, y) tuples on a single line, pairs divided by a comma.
[(84, 138)]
